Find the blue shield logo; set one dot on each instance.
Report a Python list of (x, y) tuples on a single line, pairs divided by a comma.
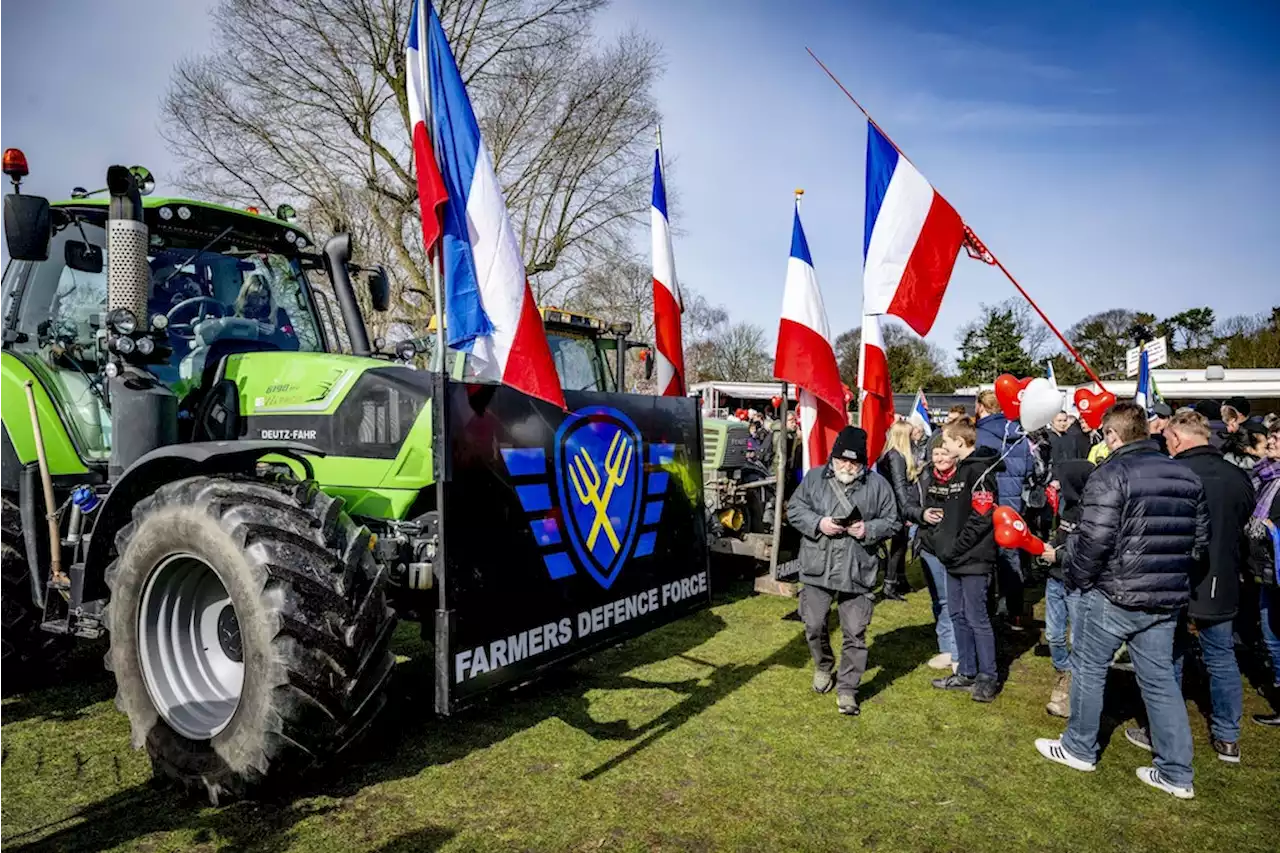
[(599, 459)]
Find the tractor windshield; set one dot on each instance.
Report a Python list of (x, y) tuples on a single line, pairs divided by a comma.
[(55, 309), (584, 363)]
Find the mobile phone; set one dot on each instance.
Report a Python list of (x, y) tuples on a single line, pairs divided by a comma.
[(856, 515)]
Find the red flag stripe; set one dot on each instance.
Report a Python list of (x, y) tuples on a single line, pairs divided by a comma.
[(805, 358), (928, 271), (530, 366), (666, 333), (432, 193)]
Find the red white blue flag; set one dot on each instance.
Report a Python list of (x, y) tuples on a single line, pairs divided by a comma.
[(805, 356), (911, 238), (667, 303), (489, 308)]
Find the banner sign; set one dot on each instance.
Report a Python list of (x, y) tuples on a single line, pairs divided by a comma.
[(565, 531), (1157, 355)]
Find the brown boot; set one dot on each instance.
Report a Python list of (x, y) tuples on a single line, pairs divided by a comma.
[(1060, 699)]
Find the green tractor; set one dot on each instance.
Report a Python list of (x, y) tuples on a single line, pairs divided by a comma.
[(193, 470)]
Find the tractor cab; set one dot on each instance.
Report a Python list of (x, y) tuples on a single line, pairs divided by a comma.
[(589, 354), (219, 281)]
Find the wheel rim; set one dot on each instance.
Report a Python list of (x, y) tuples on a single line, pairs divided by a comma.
[(190, 646)]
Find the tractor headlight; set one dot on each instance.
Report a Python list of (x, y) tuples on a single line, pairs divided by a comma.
[(146, 346), (160, 322), (406, 350), (124, 346), (123, 321)]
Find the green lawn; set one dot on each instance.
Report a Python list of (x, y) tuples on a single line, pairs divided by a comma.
[(701, 736)]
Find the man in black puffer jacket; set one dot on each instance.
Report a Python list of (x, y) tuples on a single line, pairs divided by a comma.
[(1215, 593), (1144, 525)]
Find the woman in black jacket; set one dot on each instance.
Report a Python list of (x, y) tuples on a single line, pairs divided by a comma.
[(898, 465), (925, 511)]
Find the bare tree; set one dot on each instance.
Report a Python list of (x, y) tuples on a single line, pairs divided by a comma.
[(734, 352), (304, 101)]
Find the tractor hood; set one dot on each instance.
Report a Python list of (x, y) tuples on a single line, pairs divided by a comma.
[(371, 417)]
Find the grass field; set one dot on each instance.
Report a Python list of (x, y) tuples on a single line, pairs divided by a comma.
[(701, 736)]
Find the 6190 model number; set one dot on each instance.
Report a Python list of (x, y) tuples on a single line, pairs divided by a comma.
[(288, 434)]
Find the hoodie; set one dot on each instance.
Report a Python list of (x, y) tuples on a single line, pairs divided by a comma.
[(965, 538), (997, 433)]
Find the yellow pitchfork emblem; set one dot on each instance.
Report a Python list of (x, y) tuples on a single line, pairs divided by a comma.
[(587, 483)]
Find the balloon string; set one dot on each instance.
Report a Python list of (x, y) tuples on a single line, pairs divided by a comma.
[(985, 254)]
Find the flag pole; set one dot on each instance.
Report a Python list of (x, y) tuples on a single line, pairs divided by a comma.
[(783, 451), (974, 246), (441, 462)]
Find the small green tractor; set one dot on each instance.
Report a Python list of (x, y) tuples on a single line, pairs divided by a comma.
[(194, 470)]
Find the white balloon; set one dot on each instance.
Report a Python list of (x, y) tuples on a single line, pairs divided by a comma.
[(1040, 402)]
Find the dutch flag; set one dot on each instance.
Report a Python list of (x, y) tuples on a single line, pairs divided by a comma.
[(489, 308), (920, 413), (911, 237), (667, 304), (805, 356)]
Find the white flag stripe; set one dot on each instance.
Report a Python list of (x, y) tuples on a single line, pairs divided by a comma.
[(897, 229), (802, 300)]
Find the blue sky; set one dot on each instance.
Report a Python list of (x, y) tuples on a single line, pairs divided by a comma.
[(1111, 154), (1122, 154)]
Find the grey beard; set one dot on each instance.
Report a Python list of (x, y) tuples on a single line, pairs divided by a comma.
[(845, 477)]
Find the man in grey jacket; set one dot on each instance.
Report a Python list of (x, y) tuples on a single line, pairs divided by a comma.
[(843, 511)]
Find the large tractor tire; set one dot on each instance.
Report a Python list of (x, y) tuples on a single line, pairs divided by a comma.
[(28, 651), (249, 631)]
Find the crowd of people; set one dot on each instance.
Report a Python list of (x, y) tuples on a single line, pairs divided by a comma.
[(1160, 546)]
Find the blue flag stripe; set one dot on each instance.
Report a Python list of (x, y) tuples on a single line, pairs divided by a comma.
[(882, 159)]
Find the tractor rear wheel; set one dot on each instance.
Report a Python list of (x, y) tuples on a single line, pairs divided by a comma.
[(249, 631), (28, 651)]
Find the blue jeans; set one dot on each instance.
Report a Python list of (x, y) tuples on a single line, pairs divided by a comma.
[(1226, 691), (1100, 630), (971, 624), (936, 578), (1267, 599), (1059, 608)]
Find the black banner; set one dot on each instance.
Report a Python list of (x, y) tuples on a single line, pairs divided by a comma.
[(565, 531)]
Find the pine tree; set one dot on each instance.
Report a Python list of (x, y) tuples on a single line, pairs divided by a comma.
[(992, 347)]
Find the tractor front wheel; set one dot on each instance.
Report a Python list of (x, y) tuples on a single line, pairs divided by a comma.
[(249, 631)]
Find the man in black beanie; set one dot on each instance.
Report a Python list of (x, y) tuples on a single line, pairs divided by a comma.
[(842, 510)]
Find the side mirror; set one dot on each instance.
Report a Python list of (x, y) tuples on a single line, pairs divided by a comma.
[(379, 289), (83, 257), (27, 227)]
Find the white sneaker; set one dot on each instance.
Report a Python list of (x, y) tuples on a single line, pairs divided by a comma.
[(940, 661), (1152, 777), (1052, 750)]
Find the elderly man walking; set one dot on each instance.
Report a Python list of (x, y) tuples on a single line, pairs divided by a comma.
[(843, 511), (1144, 525)]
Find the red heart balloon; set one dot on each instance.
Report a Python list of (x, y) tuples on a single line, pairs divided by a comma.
[(1005, 515), (1093, 406), (777, 402), (1009, 392), (982, 501), (1014, 534)]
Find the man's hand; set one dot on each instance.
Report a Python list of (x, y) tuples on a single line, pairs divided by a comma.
[(933, 515), (858, 529), (1050, 554), (829, 527)]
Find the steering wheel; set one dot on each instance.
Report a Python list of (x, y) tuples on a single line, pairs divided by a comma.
[(186, 331)]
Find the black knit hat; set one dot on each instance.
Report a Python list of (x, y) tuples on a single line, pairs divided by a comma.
[(851, 445), (1240, 404), (1211, 409)]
